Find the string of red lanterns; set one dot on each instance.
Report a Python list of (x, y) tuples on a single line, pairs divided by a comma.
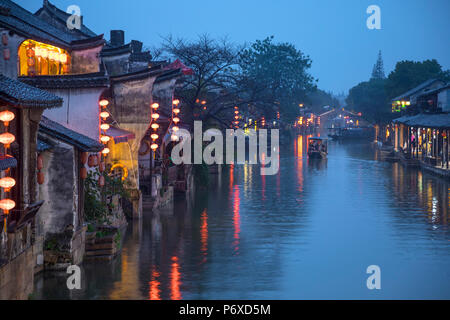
[(155, 126), (236, 117), (175, 119), (6, 183)]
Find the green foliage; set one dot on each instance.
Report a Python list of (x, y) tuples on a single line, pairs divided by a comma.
[(409, 74), (373, 97), (278, 74), (96, 207), (378, 68), (371, 100), (317, 99)]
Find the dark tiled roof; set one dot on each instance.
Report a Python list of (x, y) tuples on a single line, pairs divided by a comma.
[(169, 74), (57, 13), (14, 17), (90, 80), (74, 138), (421, 86), (7, 162), (437, 120), (23, 95), (27, 24)]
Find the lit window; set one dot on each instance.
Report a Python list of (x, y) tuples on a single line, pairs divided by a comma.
[(37, 58)]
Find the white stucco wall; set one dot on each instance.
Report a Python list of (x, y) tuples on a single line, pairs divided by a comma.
[(80, 111)]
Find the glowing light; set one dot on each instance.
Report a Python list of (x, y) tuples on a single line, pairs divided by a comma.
[(154, 146), (154, 136), (105, 151), (105, 139), (7, 183), (6, 205), (155, 126), (236, 112), (104, 115), (155, 291), (175, 129), (176, 102), (174, 137), (155, 105), (176, 120), (63, 58), (203, 102), (104, 126), (7, 138), (175, 280), (176, 111), (103, 103), (155, 116), (6, 116)]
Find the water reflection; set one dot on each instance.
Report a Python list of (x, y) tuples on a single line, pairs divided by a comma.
[(308, 232)]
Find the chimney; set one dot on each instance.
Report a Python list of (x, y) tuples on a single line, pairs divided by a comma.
[(117, 38)]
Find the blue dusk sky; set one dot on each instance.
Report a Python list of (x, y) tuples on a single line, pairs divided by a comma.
[(333, 33)]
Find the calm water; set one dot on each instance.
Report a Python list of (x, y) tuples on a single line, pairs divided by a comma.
[(309, 232)]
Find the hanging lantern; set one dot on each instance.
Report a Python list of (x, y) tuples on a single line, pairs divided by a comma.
[(203, 102), (175, 128), (174, 137), (176, 111), (105, 151), (6, 54), (155, 105), (103, 103), (236, 112), (155, 116), (7, 183), (101, 166), (101, 181), (104, 126), (84, 157), (83, 173), (155, 126), (154, 146), (176, 102), (154, 136), (104, 115), (7, 138), (40, 177), (176, 119), (40, 162), (6, 116), (6, 205), (105, 139), (30, 62)]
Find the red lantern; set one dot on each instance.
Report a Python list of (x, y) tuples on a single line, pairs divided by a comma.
[(40, 162), (84, 157), (6, 54), (30, 62), (5, 39), (101, 181), (40, 177), (83, 173), (30, 53), (101, 167)]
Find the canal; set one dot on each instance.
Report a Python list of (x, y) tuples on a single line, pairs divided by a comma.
[(309, 232)]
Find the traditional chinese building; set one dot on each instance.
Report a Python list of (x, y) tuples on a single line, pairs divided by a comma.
[(21, 108)]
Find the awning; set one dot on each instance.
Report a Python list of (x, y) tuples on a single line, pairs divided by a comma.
[(7, 162), (120, 135)]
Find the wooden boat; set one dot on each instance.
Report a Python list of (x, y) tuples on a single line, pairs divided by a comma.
[(317, 148)]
